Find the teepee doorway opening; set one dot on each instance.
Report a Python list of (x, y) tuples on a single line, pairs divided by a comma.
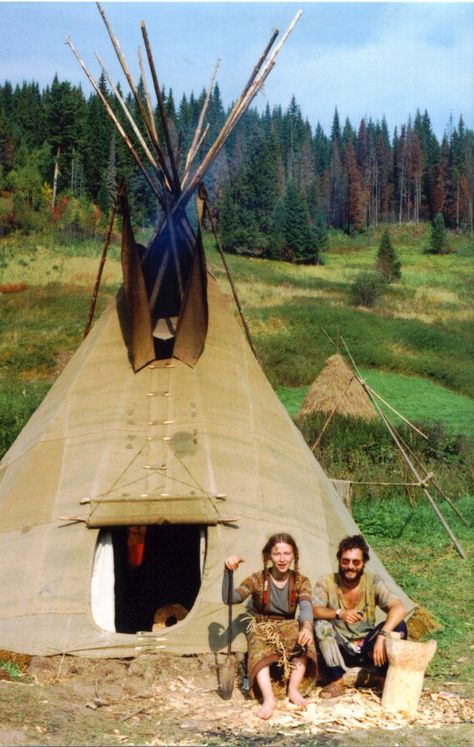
[(146, 577)]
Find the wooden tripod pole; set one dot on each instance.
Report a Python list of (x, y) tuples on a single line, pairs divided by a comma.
[(395, 437)]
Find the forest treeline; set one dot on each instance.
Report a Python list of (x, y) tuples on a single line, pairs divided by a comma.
[(274, 189)]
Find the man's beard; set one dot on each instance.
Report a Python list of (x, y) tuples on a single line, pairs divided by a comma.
[(354, 575)]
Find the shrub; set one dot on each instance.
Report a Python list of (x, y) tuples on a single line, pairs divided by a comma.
[(366, 288)]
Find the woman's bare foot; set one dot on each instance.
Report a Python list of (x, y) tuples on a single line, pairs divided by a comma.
[(296, 698), (266, 709)]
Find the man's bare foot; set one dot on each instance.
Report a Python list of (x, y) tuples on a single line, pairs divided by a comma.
[(296, 698), (266, 709)]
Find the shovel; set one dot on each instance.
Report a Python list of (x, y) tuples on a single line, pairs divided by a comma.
[(227, 670)]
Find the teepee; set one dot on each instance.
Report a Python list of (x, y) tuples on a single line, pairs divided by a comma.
[(160, 449)]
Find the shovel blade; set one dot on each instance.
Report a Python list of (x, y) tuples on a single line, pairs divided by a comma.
[(227, 677)]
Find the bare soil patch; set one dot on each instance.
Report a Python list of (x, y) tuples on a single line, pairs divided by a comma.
[(171, 700)]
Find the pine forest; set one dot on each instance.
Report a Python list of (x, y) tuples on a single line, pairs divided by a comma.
[(275, 189)]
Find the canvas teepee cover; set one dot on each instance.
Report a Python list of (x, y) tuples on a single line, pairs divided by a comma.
[(169, 425)]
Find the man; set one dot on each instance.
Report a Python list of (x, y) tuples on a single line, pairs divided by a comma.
[(344, 606)]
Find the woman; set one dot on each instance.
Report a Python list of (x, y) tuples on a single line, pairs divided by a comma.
[(274, 635)]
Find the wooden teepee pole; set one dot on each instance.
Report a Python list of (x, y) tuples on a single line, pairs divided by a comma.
[(161, 109), (151, 116), (396, 412), (124, 107), (197, 139), (251, 89), (141, 110), (117, 124)]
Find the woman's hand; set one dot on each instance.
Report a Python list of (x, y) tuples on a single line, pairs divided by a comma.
[(233, 562), (305, 635)]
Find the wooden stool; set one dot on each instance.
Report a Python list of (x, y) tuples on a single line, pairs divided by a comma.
[(404, 682)]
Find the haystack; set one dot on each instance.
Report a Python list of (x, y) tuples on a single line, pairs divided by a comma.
[(337, 390)]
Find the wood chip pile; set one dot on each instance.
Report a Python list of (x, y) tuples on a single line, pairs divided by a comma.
[(361, 709)]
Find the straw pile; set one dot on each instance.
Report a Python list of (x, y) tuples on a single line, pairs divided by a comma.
[(336, 390)]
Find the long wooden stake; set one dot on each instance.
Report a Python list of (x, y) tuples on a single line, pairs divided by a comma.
[(161, 108), (430, 478), (117, 124), (103, 256)]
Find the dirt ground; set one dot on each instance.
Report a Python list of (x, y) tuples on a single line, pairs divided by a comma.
[(166, 700)]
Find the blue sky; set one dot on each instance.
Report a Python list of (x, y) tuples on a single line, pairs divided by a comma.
[(368, 59)]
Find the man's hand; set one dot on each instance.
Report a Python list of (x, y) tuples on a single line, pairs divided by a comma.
[(233, 562), (350, 616), (379, 651)]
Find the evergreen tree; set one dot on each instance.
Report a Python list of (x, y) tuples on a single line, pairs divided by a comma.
[(320, 235), (294, 234), (247, 205), (438, 241), (387, 262)]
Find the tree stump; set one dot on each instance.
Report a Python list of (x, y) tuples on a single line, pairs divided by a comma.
[(404, 682)]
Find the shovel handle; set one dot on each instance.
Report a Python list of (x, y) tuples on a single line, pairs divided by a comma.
[(230, 586)]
